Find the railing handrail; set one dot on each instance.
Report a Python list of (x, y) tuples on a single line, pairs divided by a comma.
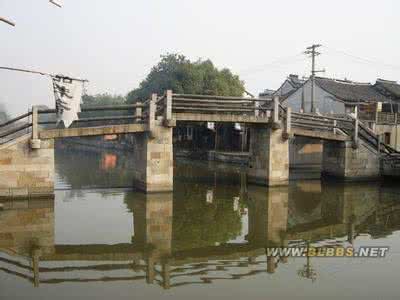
[(15, 130), (81, 120), (213, 97), (9, 122), (88, 108)]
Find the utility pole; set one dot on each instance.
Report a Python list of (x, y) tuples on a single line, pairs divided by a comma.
[(313, 53)]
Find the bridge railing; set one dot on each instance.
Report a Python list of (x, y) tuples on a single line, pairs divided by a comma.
[(380, 118), (208, 104), (97, 115), (310, 121), (15, 127)]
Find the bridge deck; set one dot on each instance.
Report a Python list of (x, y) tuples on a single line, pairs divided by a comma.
[(228, 118), (324, 135), (92, 131)]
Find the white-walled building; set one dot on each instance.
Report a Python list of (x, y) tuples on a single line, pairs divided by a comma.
[(333, 96), (377, 105)]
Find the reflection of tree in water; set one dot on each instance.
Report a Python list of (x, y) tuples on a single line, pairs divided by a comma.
[(197, 223), (82, 168)]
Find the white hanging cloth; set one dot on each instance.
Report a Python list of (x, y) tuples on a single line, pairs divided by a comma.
[(68, 95)]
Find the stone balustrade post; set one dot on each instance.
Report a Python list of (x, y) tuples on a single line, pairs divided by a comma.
[(334, 126), (288, 120), (168, 122), (138, 111), (35, 142), (256, 108), (152, 113), (275, 116), (355, 134)]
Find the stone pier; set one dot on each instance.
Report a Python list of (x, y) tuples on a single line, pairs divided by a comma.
[(345, 161), (269, 161), (153, 159), (26, 172), (268, 216)]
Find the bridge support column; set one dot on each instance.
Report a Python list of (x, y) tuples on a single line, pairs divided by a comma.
[(26, 172), (345, 161), (153, 159), (269, 161)]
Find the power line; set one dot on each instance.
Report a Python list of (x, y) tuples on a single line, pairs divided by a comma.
[(361, 59), (55, 3), (11, 23), (7, 21), (38, 72), (275, 63)]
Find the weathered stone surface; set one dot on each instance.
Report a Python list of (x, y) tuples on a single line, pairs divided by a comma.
[(341, 160), (27, 172), (25, 224), (153, 159), (269, 161), (153, 222)]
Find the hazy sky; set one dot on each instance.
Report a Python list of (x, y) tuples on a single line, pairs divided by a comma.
[(114, 43)]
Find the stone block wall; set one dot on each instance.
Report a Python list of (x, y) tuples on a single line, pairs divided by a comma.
[(268, 215), (25, 224), (153, 159), (343, 161), (26, 172), (269, 160), (305, 152), (152, 216)]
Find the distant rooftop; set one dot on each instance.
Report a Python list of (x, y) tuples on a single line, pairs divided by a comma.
[(295, 81), (344, 89), (266, 93), (388, 88), (350, 91)]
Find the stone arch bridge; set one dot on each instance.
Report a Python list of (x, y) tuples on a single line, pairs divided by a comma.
[(351, 150)]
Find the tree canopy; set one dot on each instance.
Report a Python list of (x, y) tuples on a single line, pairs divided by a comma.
[(176, 72), (102, 99)]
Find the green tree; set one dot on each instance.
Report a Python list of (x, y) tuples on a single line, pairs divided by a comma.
[(102, 99), (176, 72)]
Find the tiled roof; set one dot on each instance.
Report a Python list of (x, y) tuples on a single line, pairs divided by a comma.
[(388, 88), (295, 81), (349, 91)]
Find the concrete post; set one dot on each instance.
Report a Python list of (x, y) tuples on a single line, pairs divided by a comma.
[(138, 111), (152, 113), (256, 110), (269, 161), (355, 135), (166, 275), (288, 126), (150, 269), (271, 265), (35, 142), (168, 108), (275, 115), (36, 253), (334, 127)]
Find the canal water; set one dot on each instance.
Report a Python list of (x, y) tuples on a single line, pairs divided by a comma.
[(100, 239)]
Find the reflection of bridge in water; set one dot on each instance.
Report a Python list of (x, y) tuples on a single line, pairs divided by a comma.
[(161, 252), (351, 150)]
